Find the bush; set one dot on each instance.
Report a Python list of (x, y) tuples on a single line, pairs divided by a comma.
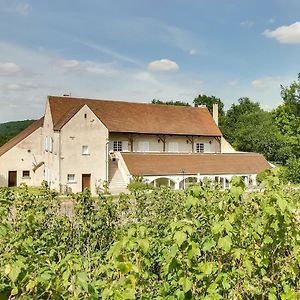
[(202, 243), (139, 186), (291, 171)]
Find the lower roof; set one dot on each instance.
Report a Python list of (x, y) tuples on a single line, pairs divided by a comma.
[(21, 136), (194, 163)]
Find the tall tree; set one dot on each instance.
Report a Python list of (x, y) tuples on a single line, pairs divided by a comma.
[(291, 96), (234, 118), (209, 101), (171, 102)]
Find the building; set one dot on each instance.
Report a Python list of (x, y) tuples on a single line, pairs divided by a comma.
[(83, 143)]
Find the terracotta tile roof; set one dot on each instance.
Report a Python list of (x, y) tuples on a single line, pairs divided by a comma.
[(121, 116), (21, 136), (205, 164)]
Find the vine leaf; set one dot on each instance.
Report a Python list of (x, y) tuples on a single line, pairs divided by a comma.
[(225, 243)]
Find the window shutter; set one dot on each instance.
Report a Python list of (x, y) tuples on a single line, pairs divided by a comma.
[(50, 144), (124, 145), (111, 146), (195, 147), (46, 143), (206, 147)]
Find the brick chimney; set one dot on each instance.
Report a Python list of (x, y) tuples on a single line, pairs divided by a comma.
[(215, 113)]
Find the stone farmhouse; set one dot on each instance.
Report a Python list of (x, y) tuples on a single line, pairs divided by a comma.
[(83, 143)]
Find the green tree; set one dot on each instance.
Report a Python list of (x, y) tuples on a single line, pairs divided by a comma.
[(291, 96), (209, 101), (234, 119), (256, 132), (171, 102), (287, 119)]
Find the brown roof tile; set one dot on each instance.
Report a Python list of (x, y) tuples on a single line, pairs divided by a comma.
[(205, 164), (121, 116), (21, 136)]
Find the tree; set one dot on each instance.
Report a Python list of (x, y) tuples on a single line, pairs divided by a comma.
[(234, 118), (291, 96), (209, 101), (177, 102)]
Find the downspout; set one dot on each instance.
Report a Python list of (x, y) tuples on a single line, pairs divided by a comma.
[(59, 162), (106, 161)]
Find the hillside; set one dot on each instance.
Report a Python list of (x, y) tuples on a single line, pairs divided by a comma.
[(10, 129)]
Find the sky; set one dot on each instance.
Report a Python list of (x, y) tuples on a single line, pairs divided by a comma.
[(138, 50)]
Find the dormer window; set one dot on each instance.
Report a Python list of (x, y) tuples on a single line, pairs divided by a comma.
[(117, 146), (199, 147)]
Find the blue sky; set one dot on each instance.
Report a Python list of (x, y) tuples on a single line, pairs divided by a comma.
[(139, 50)]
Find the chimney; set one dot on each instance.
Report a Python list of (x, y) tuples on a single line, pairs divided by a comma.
[(215, 113)]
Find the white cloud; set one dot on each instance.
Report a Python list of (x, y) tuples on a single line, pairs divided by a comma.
[(56, 75), (9, 68), (193, 51), (109, 52), (23, 9), (163, 65), (266, 83), (285, 34), (90, 67), (247, 23), (21, 86)]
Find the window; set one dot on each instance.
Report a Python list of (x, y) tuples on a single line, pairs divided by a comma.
[(199, 147), (71, 178), (85, 150), (117, 146), (85, 116), (26, 174), (48, 143)]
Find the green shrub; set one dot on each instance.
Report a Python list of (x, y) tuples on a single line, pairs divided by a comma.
[(202, 243), (291, 171)]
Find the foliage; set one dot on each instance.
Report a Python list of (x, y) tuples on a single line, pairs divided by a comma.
[(234, 118), (138, 183), (209, 101), (291, 96), (10, 129), (292, 171), (200, 244), (176, 102)]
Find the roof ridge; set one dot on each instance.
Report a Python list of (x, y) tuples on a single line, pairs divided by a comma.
[(126, 101), (135, 117)]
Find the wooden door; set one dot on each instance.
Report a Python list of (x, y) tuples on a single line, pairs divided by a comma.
[(12, 178), (86, 181)]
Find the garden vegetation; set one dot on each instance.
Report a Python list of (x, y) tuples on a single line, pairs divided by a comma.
[(202, 243)]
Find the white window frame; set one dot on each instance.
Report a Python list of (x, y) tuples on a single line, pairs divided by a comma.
[(26, 176), (46, 143), (71, 178), (117, 146), (199, 147), (50, 144), (85, 150)]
